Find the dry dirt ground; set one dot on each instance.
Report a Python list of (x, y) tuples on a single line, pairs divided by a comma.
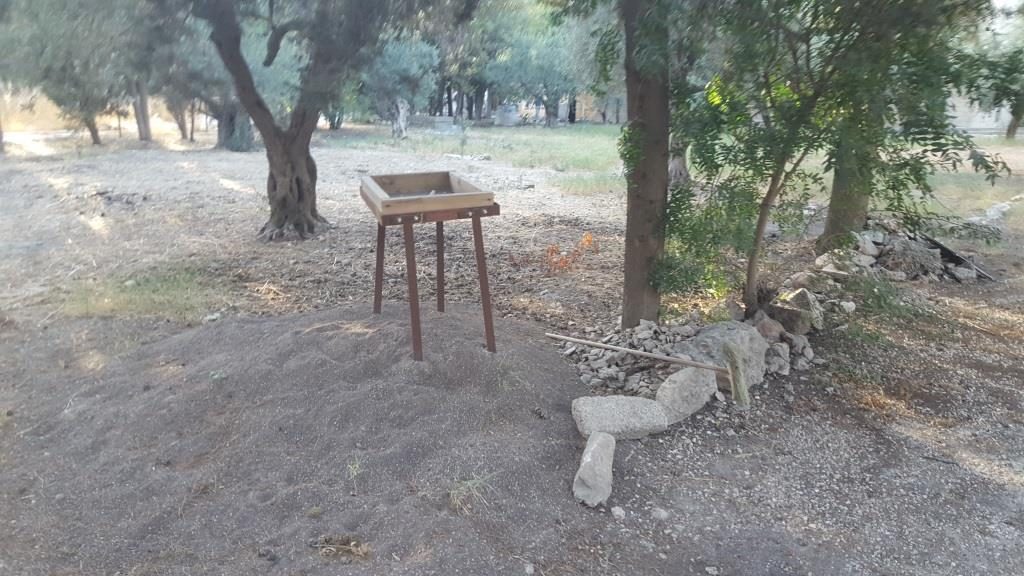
[(294, 436)]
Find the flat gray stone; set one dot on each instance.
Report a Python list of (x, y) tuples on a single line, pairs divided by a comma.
[(624, 417), (685, 392), (593, 482)]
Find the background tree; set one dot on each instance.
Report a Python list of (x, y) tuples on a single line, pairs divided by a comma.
[(536, 64), (333, 34), (65, 50), (400, 80)]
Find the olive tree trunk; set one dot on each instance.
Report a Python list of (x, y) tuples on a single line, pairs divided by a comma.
[(179, 111), (140, 106), (1016, 114), (94, 131), (645, 141), (234, 131)]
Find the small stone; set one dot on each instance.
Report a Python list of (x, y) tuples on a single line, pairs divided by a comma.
[(211, 317), (593, 482), (685, 330), (660, 514), (848, 307), (776, 360), (569, 351), (528, 569), (769, 328), (863, 260), (618, 513), (798, 311), (801, 363), (686, 392), (711, 570), (808, 352), (624, 417), (963, 273), (796, 342)]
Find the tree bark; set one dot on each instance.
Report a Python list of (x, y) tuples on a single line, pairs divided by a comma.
[(751, 289), (178, 111), (550, 112), (448, 93), (192, 122), (851, 192), (399, 118), (234, 132), (291, 182), (647, 178), (1016, 114), (94, 131), (140, 106)]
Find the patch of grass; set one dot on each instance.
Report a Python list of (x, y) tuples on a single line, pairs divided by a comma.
[(468, 493), (882, 298), (585, 184), (355, 468), (580, 147), (864, 334), (181, 295)]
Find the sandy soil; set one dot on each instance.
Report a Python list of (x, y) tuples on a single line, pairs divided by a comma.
[(133, 445)]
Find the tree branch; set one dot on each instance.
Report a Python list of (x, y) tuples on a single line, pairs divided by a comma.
[(277, 34), (226, 35)]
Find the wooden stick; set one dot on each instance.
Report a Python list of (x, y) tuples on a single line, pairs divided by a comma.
[(717, 369)]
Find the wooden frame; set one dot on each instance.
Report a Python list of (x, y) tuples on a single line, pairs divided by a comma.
[(399, 200), (407, 194)]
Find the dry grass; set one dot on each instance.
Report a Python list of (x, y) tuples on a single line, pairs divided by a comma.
[(335, 546), (587, 183), (180, 295), (466, 494), (580, 147)]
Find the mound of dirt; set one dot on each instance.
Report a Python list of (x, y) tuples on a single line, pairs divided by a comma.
[(241, 446)]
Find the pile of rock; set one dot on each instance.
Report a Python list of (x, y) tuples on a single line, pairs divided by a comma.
[(761, 344), (756, 340), (886, 251)]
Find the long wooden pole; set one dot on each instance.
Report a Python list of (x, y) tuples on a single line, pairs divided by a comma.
[(713, 368)]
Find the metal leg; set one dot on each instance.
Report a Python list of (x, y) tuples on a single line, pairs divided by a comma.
[(378, 279), (440, 266), (485, 290), (414, 295)]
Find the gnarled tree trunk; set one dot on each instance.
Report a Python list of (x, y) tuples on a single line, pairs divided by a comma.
[(234, 132), (399, 118), (647, 175), (178, 110), (291, 190), (94, 131)]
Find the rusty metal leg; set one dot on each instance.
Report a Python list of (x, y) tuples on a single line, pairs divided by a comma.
[(414, 294), (485, 289), (378, 279), (440, 266)]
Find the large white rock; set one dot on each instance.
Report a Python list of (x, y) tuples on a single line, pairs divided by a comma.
[(708, 347), (625, 417), (593, 482), (686, 392)]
